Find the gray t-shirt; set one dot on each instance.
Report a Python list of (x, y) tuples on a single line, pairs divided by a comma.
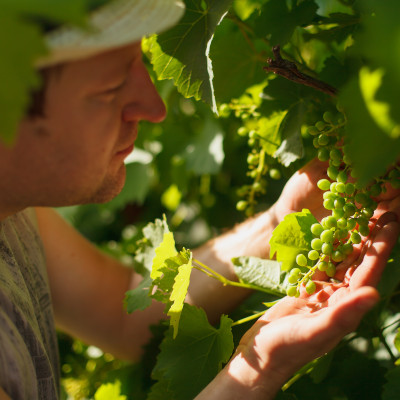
[(29, 365)]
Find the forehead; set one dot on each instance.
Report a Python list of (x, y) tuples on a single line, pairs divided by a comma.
[(109, 65)]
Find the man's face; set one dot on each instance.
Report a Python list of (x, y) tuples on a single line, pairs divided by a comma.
[(76, 153)]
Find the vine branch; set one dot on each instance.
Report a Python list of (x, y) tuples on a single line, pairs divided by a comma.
[(289, 70)]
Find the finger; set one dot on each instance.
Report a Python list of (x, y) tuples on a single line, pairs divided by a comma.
[(331, 324), (369, 271)]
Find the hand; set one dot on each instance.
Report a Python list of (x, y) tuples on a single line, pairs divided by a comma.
[(301, 191), (297, 330)]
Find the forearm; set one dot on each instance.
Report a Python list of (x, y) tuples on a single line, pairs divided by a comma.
[(240, 380), (251, 238)]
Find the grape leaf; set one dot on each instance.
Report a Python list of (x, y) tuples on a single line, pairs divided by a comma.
[(260, 272), (361, 148), (236, 65), (277, 10), (172, 284), (178, 294), (291, 148), (185, 365), (138, 298), (174, 55), (109, 391), (153, 236), (291, 237), (268, 130), (206, 154), (165, 250), (391, 388)]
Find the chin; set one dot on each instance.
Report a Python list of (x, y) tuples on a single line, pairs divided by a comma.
[(110, 188)]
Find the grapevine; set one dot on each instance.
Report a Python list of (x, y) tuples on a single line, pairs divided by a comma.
[(351, 204)]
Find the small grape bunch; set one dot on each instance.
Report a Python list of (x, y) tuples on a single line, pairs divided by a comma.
[(259, 164), (350, 204)]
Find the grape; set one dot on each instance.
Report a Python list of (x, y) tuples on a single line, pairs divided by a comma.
[(329, 204), (349, 210), (331, 222), (340, 202), (342, 223), (330, 195), (327, 248), (292, 291), (323, 184), (241, 205), (313, 131), (310, 287), (347, 248), (316, 244), (320, 125), (328, 117), (364, 230), (327, 236), (275, 174), (301, 260), (340, 187), (337, 256), (342, 177), (323, 139), (351, 224), (294, 275), (349, 188), (316, 229), (242, 131), (323, 154), (224, 110), (322, 266), (313, 255), (335, 154), (332, 172), (337, 213), (355, 237), (330, 270)]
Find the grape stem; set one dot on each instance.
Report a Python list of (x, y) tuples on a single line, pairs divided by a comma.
[(289, 70), (213, 274)]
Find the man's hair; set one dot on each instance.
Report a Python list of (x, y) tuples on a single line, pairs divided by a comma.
[(37, 104)]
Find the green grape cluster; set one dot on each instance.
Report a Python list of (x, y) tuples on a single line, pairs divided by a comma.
[(350, 204), (260, 165)]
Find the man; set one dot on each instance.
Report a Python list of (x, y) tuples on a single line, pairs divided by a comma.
[(97, 91)]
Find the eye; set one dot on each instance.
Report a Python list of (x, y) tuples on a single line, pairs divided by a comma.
[(110, 93)]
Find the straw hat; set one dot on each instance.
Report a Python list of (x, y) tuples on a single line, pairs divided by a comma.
[(115, 24)]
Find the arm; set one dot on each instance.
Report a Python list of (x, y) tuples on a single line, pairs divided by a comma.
[(88, 286)]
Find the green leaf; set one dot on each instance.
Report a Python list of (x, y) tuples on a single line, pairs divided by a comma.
[(146, 251), (206, 154), (188, 363), (182, 53), (291, 237), (178, 294), (138, 298), (165, 250), (172, 284), (268, 130), (291, 148), (236, 65), (391, 388), (277, 22), (260, 272), (109, 391), (364, 136)]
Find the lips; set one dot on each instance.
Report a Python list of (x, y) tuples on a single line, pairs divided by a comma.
[(125, 152)]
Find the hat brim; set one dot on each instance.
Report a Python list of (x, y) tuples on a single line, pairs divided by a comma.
[(116, 24)]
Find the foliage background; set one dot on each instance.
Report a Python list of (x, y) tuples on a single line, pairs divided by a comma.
[(194, 168)]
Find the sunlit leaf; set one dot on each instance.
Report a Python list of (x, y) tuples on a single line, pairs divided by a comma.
[(291, 237)]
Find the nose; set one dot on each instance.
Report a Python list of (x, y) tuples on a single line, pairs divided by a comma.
[(143, 102)]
